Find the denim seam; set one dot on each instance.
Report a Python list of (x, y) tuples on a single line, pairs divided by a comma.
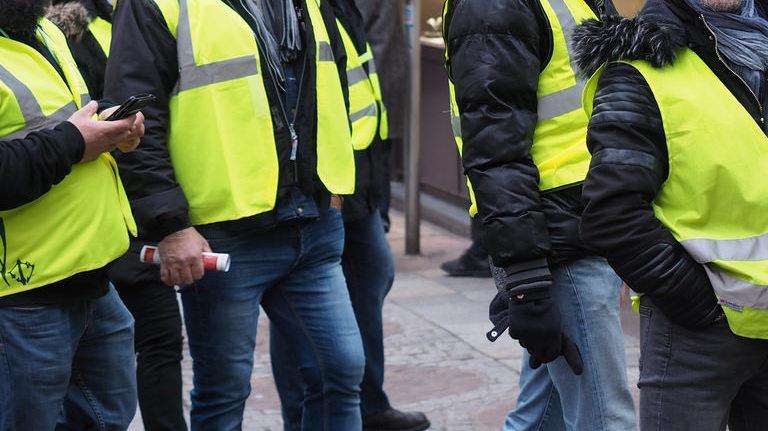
[(667, 360), (587, 348), (6, 362), (92, 402), (204, 354), (299, 249), (547, 410), (318, 357)]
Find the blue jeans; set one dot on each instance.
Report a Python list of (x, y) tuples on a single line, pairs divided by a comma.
[(295, 273), (370, 271), (700, 380), (552, 398), (69, 364)]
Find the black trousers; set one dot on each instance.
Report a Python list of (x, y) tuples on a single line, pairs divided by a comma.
[(476, 249), (158, 341)]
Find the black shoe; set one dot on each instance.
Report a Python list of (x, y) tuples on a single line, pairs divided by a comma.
[(467, 266), (395, 420)]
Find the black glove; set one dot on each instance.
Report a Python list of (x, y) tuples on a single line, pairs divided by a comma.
[(676, 283), (524, 307)]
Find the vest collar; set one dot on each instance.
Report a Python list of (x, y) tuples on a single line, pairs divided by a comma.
[(655, 35)]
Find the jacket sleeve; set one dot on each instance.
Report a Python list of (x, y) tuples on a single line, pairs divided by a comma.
[(143, 60), (29, 167), (495, 61), (629, 166)]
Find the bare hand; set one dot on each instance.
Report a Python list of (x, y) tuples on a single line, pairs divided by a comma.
[(181, 257), (104, 136), (125, 146)]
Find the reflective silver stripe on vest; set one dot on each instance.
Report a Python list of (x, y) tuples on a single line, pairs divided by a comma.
[(560, 103), (371, 110), (193, 76), (371, 66), (85, 99), (220, 71), (356, 75), (735, 292), (567, 100), (456, 125), (325, 52), (34, 118), (43, 123), (711, 250)]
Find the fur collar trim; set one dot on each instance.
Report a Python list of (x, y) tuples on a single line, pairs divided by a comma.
[(72, 18), (655, 35)]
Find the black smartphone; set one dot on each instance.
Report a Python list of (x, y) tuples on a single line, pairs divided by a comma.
[(132, 106)]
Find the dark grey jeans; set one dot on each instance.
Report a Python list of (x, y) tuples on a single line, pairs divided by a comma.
[(700, 380)]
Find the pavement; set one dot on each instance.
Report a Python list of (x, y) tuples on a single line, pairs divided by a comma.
[(438, 359)]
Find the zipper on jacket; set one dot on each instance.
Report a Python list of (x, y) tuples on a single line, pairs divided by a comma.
[(290, 122), (717, 51)]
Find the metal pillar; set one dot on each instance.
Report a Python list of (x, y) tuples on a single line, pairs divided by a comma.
[(412, 144)]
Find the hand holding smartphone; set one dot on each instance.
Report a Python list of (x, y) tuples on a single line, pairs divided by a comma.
[(132, 106)]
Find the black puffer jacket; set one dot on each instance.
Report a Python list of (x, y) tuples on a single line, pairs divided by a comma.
[(630, 163), (73, 18), (497, 50)]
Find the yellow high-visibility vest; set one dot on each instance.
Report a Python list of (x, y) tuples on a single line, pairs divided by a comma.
[(101, 30), (221, 137), (363, 106), (373, 75), (559, 141), (715, 199), (82, 223)]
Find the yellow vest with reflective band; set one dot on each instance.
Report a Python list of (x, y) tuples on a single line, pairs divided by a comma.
[(101, 30), (363, 106), (715, 200), (82, 223), (221, 137), (373, 75), (559, 141)]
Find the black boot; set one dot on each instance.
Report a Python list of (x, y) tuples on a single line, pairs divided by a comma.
[(468, 265), (395, 420)]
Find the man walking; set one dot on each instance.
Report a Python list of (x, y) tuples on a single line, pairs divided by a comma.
[(519, 122), (367, 260), (67, 340), (246, 150), (677, 201)]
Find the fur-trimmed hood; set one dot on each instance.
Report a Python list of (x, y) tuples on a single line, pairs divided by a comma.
[(74, 16), (655, 35)]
